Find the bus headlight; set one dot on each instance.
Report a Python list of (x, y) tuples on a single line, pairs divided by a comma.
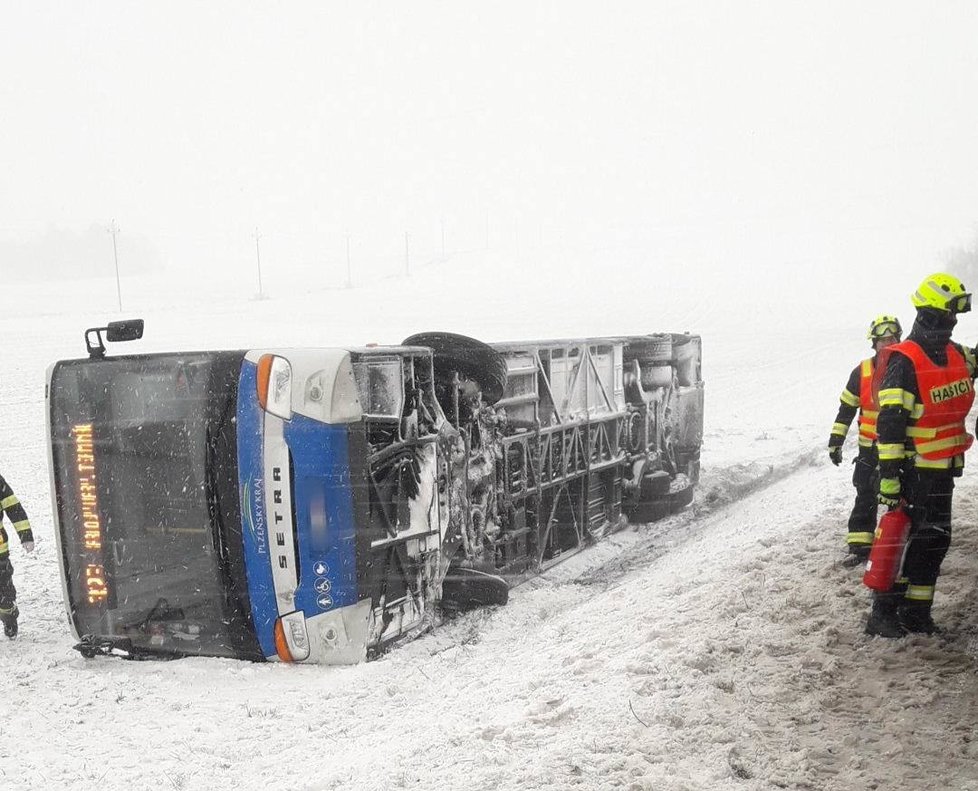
[(291, 637), (275, 385)]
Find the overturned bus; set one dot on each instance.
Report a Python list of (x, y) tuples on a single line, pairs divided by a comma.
[(316, 505)]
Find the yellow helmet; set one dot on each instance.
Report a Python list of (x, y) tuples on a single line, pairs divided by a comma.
[(884, 326), (943, 292)]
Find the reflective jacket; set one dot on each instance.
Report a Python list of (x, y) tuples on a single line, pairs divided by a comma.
[(869, 408), (858, 394), (10, 505), (935, 431)]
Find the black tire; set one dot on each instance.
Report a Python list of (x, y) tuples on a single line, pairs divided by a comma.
[(680, 498), (645, 511), (654, 484), (467, 588), (650, 348), (474, 359)]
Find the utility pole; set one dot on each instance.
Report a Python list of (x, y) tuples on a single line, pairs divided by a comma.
[(114, 229), (349, 269), (407, 258), (261, 294)]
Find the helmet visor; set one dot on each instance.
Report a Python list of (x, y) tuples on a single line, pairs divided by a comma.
[(884, 329), (960, 304)]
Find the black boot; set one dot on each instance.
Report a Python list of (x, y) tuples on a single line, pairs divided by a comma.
[(856, 555), (884, 619), (915, 618), (9, 620)]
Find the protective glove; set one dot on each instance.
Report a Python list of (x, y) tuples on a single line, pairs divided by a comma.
[(835, 454), (889, 493)]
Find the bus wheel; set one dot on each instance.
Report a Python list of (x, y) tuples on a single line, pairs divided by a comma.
[(466, 588), (652, 501), (474, 359), (646, 511)]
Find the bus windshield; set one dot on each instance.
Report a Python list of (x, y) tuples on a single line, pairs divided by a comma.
[(144, 451)]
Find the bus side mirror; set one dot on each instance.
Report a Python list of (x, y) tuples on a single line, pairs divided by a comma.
[(117, 331), (129, 330)]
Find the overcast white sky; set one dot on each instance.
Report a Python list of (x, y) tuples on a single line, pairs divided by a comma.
[(826, 134)]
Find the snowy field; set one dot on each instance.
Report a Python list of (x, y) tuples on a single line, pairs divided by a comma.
[(721, 648)]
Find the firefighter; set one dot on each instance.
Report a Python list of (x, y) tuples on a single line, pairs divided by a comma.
[(10, 505), (925, 391), (858, 397)]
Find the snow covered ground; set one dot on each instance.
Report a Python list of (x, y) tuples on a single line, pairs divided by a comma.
[(721, 648)]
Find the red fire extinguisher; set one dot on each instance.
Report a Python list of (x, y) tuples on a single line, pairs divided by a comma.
[(886, 555)]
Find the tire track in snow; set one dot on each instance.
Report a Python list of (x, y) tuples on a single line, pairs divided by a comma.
[(723, 490)]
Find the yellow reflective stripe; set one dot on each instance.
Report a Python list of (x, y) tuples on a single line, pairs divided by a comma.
[(890, 451), (867, 427), (839, 429), (889, 485), (897, 396), (867, 368), (22, 525), (920, 593), (949, 426), (860, 539), (869, 414), (917, 431), (934, 464), (6, 612), (848, 398), (891, 396), (926, 433), (866, 442), (941, 444), (917, 412), (6, 502)]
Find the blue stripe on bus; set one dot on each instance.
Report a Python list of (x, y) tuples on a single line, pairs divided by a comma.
[(323, 507), (324, 515), (251, 486)]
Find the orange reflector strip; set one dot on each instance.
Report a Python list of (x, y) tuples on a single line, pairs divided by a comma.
[(282, 647), (264, 374)]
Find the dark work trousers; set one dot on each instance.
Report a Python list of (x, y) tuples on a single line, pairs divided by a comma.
[(865, 477), (928, 493), (8, 594)]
